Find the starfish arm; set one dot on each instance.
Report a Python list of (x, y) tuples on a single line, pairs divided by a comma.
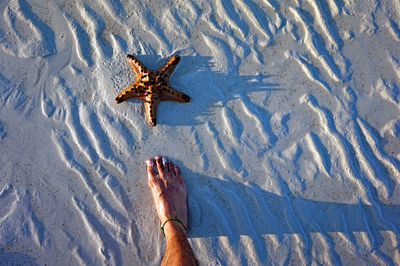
[(150, 108), (137, 65), (170, 94), (166, 70), (152, 87), (133, 91)]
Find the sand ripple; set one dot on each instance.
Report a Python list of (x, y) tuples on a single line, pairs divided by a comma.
[(290, 146)]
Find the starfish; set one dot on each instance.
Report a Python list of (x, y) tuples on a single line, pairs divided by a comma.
[(151, 86)]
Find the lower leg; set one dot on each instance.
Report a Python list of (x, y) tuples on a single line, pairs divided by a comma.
[(169, 193), (178, 250)]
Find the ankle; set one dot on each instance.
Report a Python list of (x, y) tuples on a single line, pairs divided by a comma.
[(174, 229)]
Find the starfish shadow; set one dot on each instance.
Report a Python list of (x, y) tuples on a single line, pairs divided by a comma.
[(208, 89)]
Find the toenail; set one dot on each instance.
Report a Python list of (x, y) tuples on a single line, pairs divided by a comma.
[(164, 160), (149, 162)]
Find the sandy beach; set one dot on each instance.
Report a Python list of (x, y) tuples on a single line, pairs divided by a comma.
[(289, 147)]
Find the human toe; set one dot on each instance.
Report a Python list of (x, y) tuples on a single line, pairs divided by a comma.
[(159, 164), (171, 167), (150, 171), (165, 163), (178, 174)]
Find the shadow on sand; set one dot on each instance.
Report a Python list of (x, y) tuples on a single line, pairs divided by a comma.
[(16, 258), (227, 208), (207, 88)]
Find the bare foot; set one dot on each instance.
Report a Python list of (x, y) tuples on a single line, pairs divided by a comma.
[(169, 191)]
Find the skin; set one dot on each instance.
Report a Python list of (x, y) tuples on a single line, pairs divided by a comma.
[(170, 198)]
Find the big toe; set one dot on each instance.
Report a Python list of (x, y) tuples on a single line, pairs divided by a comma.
[(150, 163)]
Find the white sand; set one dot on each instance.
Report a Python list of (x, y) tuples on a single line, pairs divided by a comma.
[(290, 146)]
